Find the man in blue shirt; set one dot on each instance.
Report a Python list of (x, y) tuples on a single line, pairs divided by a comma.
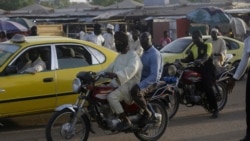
[(151, 73)]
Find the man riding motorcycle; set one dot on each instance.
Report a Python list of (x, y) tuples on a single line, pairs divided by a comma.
[(126, 70), (151, 73), (201, 54)]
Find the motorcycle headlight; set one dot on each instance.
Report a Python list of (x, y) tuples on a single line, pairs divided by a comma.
[(76, 85), (172, 70)]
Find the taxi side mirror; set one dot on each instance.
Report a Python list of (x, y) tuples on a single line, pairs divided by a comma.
[(10, 70)]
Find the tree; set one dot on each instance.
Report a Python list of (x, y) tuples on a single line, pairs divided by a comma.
[(107, 2), (15, 4)]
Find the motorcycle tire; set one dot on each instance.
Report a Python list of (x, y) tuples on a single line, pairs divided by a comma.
[(172, 103), (155, 131), (223, 94), (58, 127)]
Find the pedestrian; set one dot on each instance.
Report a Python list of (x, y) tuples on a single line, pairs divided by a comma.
[(96, 36), (124, 28), (134, 42), (109, 37), (230, 33), (165, 39), (237, 75), (33, 31), (3, 36), (82, 34)]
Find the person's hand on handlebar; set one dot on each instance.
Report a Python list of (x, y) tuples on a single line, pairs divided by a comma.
[(198, 63), (110, 75)]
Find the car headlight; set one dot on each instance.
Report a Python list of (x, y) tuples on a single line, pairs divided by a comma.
[(76, 85), (172, 70)]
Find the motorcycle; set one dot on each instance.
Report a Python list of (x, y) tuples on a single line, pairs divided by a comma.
[(73, 121), (188, 90)]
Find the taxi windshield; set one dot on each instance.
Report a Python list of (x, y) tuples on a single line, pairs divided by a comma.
[(6, 51), (177, 46)]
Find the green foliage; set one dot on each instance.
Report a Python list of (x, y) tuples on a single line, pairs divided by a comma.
[(15, 4)]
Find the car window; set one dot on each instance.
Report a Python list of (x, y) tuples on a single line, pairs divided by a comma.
[(6, 51), (231, 45), (23, 61), (177, 46), (97, 56), (72, 56)]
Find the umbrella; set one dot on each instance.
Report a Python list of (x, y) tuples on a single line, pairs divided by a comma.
[(238, 26), (10, 26), (23, 21), (209, 15)]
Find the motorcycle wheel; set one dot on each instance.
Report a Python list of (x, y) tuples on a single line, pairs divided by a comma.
[(155, 131), (172, 104), (58, 127), (223, 94)]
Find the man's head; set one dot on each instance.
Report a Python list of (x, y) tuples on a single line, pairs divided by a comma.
[(135, 34), (33, 54), (165, 33), (124, 28), (121, 42), (110, 28), (214, 33), (97, 29), (33, 30), (146, 40), (197, 37)]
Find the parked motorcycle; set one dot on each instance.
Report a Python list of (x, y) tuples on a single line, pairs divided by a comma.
[(73, 121), (188, 91)]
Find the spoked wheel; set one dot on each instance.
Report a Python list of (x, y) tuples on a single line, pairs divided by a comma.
[(173, 104), (60, 127), (156, 127)]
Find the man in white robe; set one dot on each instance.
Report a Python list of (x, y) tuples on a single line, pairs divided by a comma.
[(219, 49), (36, 64), (134, 42), (96, 36), (109, 37), (126, 70)]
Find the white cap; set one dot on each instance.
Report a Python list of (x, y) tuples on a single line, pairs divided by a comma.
[(110, 26), (215, 30)]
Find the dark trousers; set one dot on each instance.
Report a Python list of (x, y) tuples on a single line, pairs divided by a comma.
[(248, 103), (208, 87), (138, 97), (208, 80)]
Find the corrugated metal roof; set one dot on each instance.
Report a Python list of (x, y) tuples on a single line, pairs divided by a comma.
[(111, 13), (125, 4)]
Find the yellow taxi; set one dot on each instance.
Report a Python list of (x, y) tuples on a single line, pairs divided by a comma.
[(24, 92), (180, 47)]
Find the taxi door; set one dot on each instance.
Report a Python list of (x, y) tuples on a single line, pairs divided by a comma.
[(27, 93)]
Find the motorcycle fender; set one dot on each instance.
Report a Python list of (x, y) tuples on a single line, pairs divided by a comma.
[(66, 106)]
